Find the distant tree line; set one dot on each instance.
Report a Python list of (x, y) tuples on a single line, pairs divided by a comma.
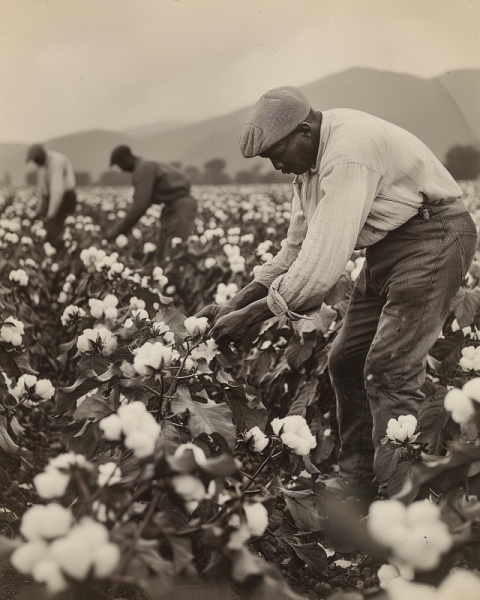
[(212, 173), (463, 162)]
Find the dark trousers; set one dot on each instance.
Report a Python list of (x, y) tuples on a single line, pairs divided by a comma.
[(398, 307), (177, 221), (54, 226)]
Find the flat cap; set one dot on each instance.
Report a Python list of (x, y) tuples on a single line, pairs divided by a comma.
[(118, 153), (274, 116), (35, 151)]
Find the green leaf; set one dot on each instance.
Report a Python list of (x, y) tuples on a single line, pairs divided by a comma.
[(306, 395), (23, 364), (314, 556), (7, 546), (304, 507), (93, 407), (174, 319), (86, 440), (432, 417), (89, 380), (320, 323), (246, 406), (6, 442), (206, 418), (398, 479), (465, 304), (298, 353), (446, 473), (7, 364), (386, 460)]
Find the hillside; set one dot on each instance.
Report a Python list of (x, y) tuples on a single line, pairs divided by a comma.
[(442, 112)]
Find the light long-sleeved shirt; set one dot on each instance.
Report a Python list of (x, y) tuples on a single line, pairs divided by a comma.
[(55, 178), (370, 177), (154, 183)]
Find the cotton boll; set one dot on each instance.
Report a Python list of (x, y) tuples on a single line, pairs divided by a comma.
[(130, 416), (141, 444), (189, 487), (51, 484), (257, 518), (111, 427), (121, 240), (459, 404), (48, 572), (96, 308), (27, 555), (73, 555), (44, 389), (260, 440), (108, 474), (303, 447), (472, 389), (105, 560), (46, 522)]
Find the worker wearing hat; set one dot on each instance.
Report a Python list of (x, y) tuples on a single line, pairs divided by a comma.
[(156, 183), (360, 183), (56, 180)]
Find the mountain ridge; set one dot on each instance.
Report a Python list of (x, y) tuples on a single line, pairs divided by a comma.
[(441, 111)]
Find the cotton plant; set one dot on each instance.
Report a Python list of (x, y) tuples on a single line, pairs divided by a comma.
[(225, 292), (19, 277), (104, 308), (72, 315), (55, 478), (415, 536), (58, 549), (463, 403), (30, 391), (152, 358), (470, 360), (11, 332), (401, 429), (99, 340), (133, 425), (295, 434)]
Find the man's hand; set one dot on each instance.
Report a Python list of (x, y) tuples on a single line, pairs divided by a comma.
[(232, 327), (214, 312)]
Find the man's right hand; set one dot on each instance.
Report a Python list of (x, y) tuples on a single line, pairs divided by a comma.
[(213, 312)]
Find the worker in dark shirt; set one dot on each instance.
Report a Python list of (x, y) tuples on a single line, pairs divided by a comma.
[(156, 183)]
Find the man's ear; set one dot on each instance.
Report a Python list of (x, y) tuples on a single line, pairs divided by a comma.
[(305, 129)]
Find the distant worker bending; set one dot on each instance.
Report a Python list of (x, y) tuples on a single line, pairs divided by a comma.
[(56, 180), (156, 183)]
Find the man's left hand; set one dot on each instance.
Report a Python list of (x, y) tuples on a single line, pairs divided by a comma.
[(232, 327)]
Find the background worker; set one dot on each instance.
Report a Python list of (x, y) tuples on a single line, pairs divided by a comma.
[(156, 183), (56, 180), (360, 183)]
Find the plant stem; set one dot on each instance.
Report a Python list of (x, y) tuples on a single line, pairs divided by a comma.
[(136, 537), (85, 492), (259, 470)]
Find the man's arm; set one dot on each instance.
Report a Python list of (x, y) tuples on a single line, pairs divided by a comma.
[(281, 262), (348, 192), (143, 183), (56, 186), (258, 288)]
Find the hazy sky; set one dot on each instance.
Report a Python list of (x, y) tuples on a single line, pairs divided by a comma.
[(74, 65)]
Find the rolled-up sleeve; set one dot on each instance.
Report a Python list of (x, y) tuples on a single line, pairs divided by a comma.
[(347, 192), (281, 262), (56, 185)]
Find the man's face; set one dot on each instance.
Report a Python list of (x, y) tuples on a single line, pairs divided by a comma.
[(295, 153), (40, 159), (126, 163)]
